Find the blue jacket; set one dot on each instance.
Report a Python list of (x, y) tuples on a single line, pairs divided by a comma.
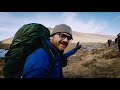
[(37, 63)]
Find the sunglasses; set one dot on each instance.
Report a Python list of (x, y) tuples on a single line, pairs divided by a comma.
[(63, 36)]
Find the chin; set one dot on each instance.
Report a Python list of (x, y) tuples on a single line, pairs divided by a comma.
[(62, 50)]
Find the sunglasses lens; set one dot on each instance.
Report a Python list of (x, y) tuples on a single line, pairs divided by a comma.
[(69, 38), (63, 36)]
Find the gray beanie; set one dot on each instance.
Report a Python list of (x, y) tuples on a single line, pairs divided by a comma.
[(62, 28)]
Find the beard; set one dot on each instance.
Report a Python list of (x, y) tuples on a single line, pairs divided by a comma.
[(59, 45), (63, 43)]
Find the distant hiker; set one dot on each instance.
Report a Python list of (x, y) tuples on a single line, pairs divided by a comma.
[(117, 41), (38, 64), (109, 42)]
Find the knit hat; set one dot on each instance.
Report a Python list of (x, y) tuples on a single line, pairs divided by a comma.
[(62, 28)]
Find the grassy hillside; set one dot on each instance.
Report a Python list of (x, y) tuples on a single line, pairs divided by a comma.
[(1, 68), (4, 46), (100, 62), (93, 60), (81, 37)]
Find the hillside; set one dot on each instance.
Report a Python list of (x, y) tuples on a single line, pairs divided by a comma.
[(81, 37), (7, 41), (94, 61), (94, 38)]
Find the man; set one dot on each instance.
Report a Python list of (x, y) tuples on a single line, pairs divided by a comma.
[(109, 42), (37, 63), (117, 40)]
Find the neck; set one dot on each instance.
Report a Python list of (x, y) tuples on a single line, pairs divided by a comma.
[(61, 52), (53, 48)]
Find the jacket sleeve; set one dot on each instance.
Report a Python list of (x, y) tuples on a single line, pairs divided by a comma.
[(70, 52)]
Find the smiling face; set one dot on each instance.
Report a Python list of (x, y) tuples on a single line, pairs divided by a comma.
[(61, 40)]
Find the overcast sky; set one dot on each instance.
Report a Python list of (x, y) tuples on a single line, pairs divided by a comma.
[(86, 22)]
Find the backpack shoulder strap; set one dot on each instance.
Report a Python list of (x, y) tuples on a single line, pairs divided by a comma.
[(50, 54)]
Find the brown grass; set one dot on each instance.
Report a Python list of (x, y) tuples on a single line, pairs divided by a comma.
[(102, 62), (1, 68), (5, 46)]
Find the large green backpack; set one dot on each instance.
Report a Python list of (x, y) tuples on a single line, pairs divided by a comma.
[(26, 40)]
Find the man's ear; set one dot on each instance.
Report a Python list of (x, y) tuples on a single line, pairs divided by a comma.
[(51, 37)]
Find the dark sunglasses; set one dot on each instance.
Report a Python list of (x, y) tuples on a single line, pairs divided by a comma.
[(63, 36)]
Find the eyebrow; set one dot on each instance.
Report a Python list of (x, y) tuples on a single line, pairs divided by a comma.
[(66, 34)]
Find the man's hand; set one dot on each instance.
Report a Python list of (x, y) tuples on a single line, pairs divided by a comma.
[(78, 46)]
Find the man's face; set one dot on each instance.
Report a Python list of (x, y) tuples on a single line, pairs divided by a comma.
[(61, 40)]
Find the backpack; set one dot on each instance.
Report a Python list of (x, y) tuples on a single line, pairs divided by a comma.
[(26, 40)]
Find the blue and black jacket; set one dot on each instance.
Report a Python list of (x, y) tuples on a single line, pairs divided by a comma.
[(37, 64)]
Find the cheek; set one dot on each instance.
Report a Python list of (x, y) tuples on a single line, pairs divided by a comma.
[(56, 39)]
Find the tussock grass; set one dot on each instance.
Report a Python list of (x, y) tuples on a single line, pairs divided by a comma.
[(101, 62)]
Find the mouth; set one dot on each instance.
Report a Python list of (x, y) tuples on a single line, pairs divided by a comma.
[(64, 43), (64, 46)]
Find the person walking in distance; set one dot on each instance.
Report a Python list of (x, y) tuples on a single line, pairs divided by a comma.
[(117, 41), (109, 42)]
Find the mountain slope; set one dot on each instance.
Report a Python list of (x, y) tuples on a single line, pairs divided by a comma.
[(94, 61), (81, 37)]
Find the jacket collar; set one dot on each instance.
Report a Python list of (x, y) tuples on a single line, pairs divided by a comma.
[(53, 49)]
